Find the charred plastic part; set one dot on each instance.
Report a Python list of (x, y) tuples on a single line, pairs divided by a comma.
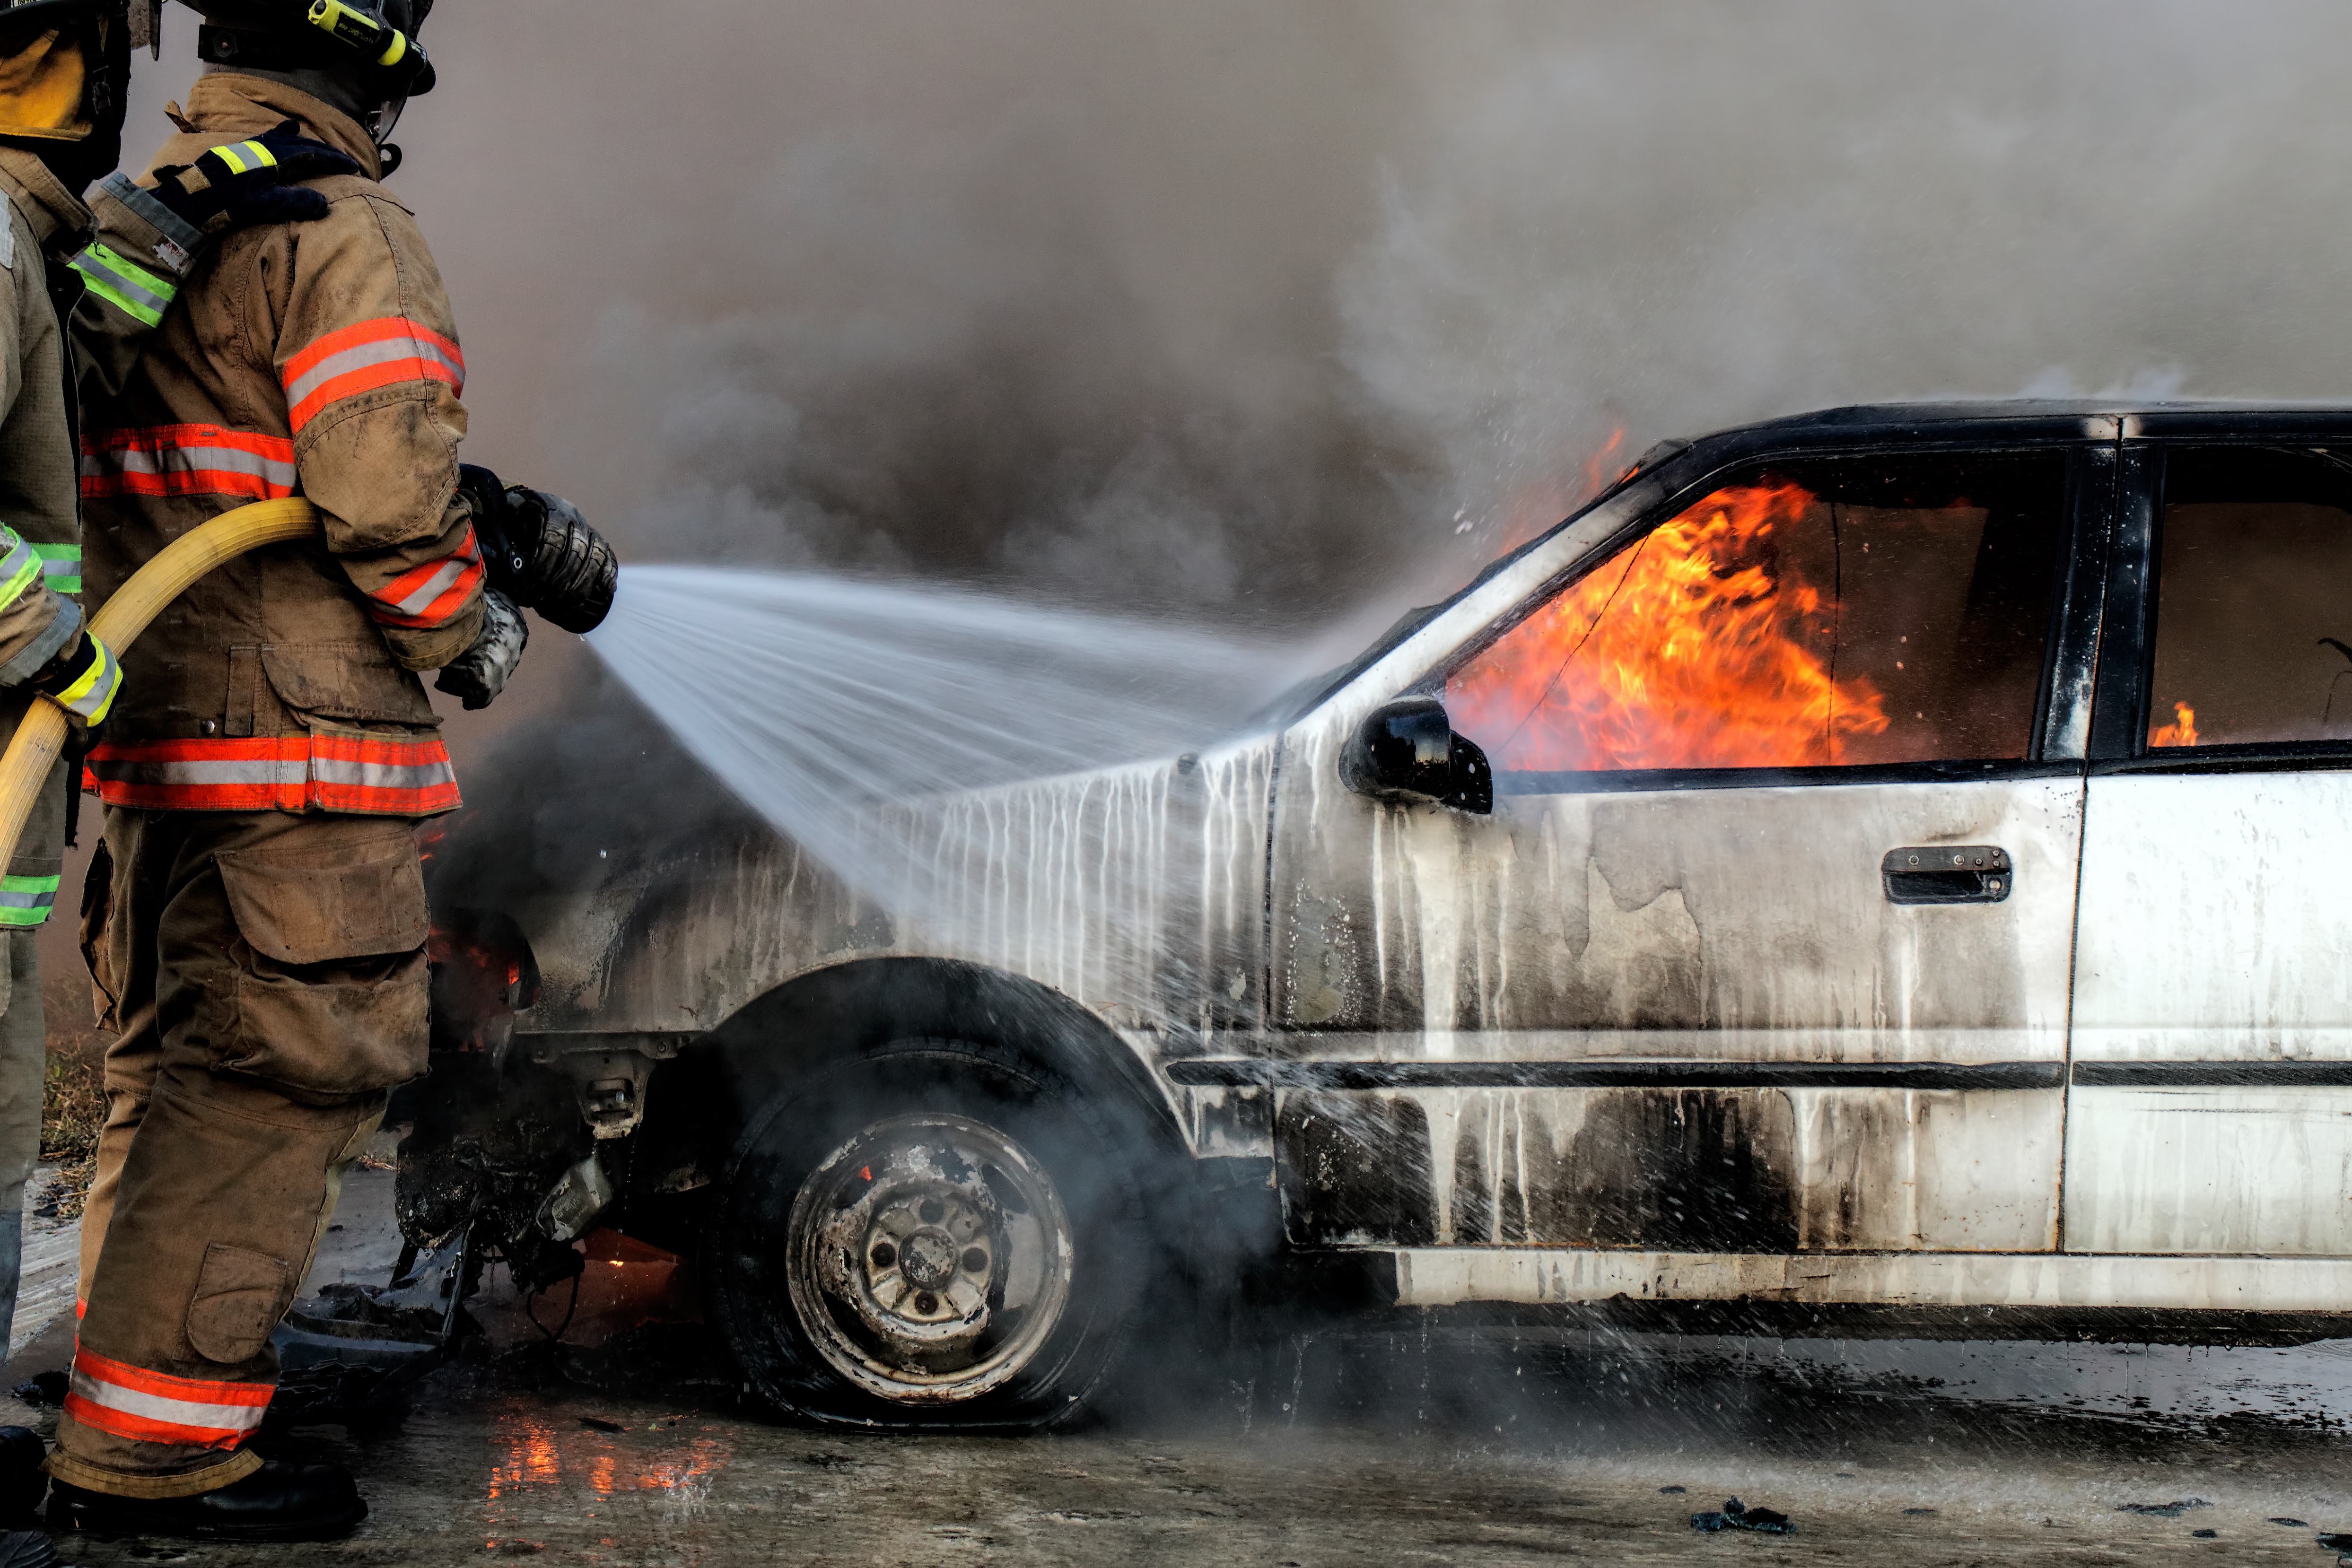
[(572, 1206), (1406, 752), (541, 552)]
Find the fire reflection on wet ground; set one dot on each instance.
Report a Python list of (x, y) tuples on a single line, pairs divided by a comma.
[(1400, 1446)]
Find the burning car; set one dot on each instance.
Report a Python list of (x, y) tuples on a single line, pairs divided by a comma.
[(1876, 870)]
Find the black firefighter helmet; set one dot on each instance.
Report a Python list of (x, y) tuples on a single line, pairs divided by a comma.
[(65, 79), (362, 56)]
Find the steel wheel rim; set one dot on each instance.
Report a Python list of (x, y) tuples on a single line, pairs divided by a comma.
[(930, 1259)]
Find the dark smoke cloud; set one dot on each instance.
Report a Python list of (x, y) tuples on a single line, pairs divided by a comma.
[(1271, 312), (1250, 310)]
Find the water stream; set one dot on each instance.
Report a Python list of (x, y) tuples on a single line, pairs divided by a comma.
[(818, 699)]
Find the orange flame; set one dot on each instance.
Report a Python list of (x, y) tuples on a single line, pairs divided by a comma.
[(2181, 731), (1702, 647)]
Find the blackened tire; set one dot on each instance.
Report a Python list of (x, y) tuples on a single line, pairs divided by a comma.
[(939, 1236)]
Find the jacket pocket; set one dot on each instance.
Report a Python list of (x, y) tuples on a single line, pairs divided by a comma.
[(240, 1295), (346, 680), (331, 983)]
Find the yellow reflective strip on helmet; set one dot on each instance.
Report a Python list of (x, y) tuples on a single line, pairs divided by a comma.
[(398, 47)]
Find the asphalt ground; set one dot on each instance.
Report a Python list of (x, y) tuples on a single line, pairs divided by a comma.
[(1345, 1447)]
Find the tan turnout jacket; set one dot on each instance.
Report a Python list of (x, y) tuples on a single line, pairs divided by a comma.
[(318, 359), (40, 613)]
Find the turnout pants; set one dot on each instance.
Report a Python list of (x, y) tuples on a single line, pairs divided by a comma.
[(266, 976), (27, 894)]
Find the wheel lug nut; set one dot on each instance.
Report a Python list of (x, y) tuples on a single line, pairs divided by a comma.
[(932, 1211), (926, 1303), (976, 1261), (884, 1254)]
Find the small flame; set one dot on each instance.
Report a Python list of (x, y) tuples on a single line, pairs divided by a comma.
[(1701, 648), (2181, 731)]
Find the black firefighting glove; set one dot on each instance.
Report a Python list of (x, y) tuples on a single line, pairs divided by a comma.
[(481, 673), (252, 182), (539, 551)]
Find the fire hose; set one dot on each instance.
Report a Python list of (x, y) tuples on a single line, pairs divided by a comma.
[(41, 734)]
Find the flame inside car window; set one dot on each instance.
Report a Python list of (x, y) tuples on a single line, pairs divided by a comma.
[(1872, 612), (2181, 731), (1702, 647), (2254, 620)]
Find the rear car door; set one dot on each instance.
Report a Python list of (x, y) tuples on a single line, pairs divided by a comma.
[(2211, 1104), (1764, 945)]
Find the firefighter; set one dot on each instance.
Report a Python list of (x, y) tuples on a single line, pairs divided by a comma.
[(81, 287), (257, 931)]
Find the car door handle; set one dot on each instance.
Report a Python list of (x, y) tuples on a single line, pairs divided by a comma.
[(1946, 874)]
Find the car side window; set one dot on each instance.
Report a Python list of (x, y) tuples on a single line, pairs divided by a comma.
[(2253, 599), (1837, 611)]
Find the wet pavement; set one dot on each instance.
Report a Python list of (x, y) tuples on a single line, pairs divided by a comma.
[(1417, 1444)]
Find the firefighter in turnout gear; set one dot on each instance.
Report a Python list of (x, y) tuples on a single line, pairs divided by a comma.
[(81, 288), (257, 933)]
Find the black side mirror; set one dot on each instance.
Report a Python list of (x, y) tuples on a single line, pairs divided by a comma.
[(1406, 751)]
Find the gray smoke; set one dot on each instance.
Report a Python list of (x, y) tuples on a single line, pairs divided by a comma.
[(1292, 314), (1269, 310)]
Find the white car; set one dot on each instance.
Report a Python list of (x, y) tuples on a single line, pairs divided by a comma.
[(1881, 870)]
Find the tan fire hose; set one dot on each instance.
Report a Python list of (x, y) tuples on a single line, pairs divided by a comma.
[(26, 765)]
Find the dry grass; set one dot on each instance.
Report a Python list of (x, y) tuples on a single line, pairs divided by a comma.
[(73, 1091)]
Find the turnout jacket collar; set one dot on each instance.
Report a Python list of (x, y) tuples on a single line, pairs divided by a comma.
[(50, 210), (225, 105)]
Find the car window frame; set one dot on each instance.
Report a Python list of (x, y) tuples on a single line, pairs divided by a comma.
[(2069, 637), (2127, 657)]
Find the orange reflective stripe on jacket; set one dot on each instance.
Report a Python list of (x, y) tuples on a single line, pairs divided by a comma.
[(364, 356), (156, 1407), (320, 770), (186, 460), (434, 593)]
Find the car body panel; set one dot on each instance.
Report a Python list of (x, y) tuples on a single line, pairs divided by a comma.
[(1444, 1033)]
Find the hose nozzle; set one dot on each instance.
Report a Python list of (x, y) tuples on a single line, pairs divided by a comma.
[(541, 552)]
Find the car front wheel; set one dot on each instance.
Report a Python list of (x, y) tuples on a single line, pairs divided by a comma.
[(937, 1236)]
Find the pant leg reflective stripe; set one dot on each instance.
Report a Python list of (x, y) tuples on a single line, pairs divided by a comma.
[(432, 594), (141, 295), (60, 567), (27, 900), (155, 1407), (368, 774), (364, 356), (186, 460)]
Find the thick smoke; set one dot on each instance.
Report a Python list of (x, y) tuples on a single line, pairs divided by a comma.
[(1290, 315), (1250, 310), (1236, 308)]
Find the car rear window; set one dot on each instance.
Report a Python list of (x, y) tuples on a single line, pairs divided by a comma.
[(2253, 619), (1841, 611)]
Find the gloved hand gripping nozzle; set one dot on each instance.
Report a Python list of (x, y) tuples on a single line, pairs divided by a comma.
[(539, 551)]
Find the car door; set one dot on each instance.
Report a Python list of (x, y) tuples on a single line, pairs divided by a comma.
[(1764, 945), (2211, 1102)]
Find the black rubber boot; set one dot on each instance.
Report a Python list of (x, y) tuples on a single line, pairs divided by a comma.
[(22, 1480), (277, 1502), (27, 1549)]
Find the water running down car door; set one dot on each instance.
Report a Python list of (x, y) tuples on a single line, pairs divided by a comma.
[(1684, 990)]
